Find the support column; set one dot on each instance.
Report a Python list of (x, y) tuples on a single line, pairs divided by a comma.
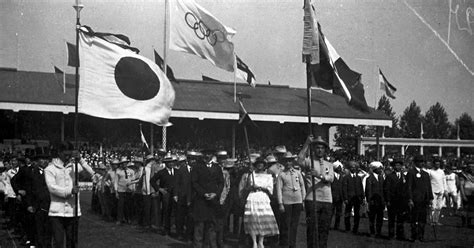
[(403, 150), (62, 127), (440, 151), (163, 141), (383, 151), (421, 150), (233, 140), (458, 152)]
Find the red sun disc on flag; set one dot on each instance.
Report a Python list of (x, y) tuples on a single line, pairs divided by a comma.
[(136, 79)]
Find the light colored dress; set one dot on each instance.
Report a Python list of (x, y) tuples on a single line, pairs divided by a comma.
[(258, 217)]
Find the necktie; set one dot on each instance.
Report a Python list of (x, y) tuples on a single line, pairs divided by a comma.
[(126, 175)]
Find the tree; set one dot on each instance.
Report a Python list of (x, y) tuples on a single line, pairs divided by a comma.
[(347, 137), (410, 121), (386, 107), (466, 127), (436, 124)]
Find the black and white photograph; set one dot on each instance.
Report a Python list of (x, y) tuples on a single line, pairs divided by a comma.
[(236, 123)]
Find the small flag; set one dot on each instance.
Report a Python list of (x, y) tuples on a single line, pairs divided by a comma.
[(117, 83), (72, 59), (160, 62), (206, 78), (143, 138), (196, 31), (62, 81), (386, 86), (244, 118), (244, 72)]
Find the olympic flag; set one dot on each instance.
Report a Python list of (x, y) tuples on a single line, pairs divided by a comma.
[(194, 30)]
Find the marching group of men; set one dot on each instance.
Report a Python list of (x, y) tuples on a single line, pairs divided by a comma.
[(200, 192)]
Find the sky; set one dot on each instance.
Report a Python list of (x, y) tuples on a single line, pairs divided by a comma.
[(425, 48)]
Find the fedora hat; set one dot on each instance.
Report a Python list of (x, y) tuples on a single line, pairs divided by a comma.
[(149, 157), (124, 160), (376, 165), (115, 161), (288, 156), (319, 141)]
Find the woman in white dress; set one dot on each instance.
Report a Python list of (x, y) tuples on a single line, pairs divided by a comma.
[(259, 220)]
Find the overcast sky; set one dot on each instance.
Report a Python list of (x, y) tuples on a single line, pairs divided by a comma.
[(408, 40)]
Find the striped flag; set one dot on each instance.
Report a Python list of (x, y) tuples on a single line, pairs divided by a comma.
[(386, 86), (310, 34), (244, 72)]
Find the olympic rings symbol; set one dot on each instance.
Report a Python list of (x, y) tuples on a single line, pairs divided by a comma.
[(202, 31)]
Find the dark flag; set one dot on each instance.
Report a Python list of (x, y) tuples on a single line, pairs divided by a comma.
[(160, 62), (386, 86), (244, 72), (61, 80), (244, 118), (72, 59)]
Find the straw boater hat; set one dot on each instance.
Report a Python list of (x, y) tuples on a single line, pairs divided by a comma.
[(124, 160), (193, 153), (280, 149), (376, 165), (229, 163), (288, 156), (170, 158), (149, 157), (115, 161), (319, 141), (271, 159), (221, 153), (161, 151)]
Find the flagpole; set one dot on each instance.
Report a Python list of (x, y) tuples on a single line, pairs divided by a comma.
[(235, 80), (377, 88), (310, 129), (78, 7), (64, 81), (165, 63)]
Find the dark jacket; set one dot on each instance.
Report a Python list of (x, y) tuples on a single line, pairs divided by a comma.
[(352, 187), (183, 188), (419, 186), (39, 198), (206, 180), (165, 180), (336, 189), (395, 189), (374, 189)]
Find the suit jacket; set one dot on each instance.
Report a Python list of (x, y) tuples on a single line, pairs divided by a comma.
[(352, 187), (395, 189), (374, 188), (166, 181), (22, 180), (206, 180), (419, 186), (336, 189), (183, 185), (39, 198)]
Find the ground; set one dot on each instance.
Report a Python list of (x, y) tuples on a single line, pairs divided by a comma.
[(93, 232)]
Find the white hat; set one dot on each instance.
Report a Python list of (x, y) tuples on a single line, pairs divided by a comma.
[(337, 164), (376, 164)]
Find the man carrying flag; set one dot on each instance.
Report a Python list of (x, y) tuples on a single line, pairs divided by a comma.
[(386, 86)]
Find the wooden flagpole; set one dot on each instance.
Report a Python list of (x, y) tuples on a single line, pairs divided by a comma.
[(78, 7)]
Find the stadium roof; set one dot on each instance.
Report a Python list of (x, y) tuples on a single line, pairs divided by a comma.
[(40, 91)]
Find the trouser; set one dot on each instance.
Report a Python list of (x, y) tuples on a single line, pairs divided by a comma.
[(290, 219), (396, 213), (111, 202), (11, 213), (105, 212), (123, 208), (137, 209), (184, 220), (336, 213), (204, 230), (168, 209), (147, 210), (220, 226), (43, 229), (354, 202), (323, 213), (64, 227), (437, 205), (418, 220), (376, 218), (28, 224)]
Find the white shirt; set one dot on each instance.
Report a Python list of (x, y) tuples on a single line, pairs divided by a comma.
[(438, 181)]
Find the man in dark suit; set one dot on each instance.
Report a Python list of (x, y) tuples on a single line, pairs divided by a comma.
[(22, 185), (375, 198), (207, 182), (39, 201), (396, 198), (183, 196), (164, 183), (419, 197), (353, 195), (336, 191)]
